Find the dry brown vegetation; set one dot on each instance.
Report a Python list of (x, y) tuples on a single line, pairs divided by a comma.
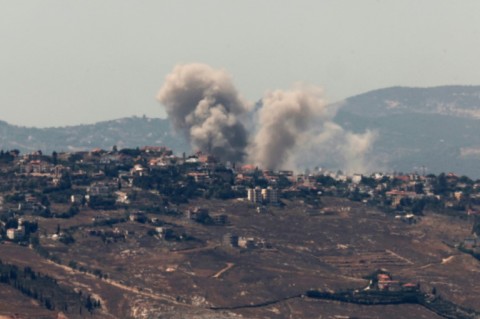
[(148, 277)]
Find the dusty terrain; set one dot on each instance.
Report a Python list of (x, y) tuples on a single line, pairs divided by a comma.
[(144, 276)]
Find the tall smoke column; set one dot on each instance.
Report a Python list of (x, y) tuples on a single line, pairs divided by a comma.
[(284, 120), (203, 103)]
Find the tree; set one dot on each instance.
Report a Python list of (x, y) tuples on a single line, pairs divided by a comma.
[(419, 188), (418, 206), (44, 201), (368, 181), (54, 158), (440, 187), (65, 181)]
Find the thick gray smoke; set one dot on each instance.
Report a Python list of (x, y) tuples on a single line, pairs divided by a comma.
[(204, 104), (286, 117), (292, 129)]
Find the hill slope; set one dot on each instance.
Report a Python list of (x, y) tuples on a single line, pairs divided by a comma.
[(126, 132), (433, 128), (438, 128)]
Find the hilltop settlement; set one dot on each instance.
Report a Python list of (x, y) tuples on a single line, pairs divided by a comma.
[(145, 233)]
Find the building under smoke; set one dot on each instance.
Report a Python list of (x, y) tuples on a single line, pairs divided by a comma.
[(203, 103), (291, 129)]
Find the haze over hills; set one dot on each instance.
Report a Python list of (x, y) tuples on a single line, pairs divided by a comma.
[(436, 128), (124, 133), (428, 130)]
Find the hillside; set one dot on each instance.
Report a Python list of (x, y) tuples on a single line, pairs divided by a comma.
[(436, 128), (428, 130), (126, 132)]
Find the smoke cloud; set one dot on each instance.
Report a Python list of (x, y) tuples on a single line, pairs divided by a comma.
[(285, 119), (203, 103), (296, 130), (332, 146), (290, 129)]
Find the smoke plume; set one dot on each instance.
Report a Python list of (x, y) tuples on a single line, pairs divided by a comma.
[(203, 103), (330, 145), (296, 130), (285, 118), (291, 129)]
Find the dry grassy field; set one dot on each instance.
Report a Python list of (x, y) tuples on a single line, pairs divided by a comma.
[(144, 276)]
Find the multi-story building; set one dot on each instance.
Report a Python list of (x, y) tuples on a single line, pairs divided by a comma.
[(265, 195), (254, 195), (270, 195)]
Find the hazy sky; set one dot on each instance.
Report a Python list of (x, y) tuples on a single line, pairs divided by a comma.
[(70, 62)]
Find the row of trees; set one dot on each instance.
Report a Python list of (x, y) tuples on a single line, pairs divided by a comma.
[(46, 290)]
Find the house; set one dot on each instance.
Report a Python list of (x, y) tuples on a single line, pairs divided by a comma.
[(31, 207), (122, 197), (37, 167), (197, 214), (164, 232), (102, 189), (384, 281), (458, 195), (138, 170), (246, 242), (200, 178), (192, 160), (16, 233), (77, 199), (398, 195), (207, 159)]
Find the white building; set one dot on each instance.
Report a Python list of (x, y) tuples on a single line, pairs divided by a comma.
[(254, 195), (265, 195), (270, 195), (16, 233)]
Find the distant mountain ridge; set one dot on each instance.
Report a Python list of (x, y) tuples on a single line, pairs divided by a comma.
[(433, 129), (124, 133), (419, 129), (459, 101)]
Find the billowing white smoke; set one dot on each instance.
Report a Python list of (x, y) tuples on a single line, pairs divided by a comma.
[(329, 144), (203, 103), (285, 118), (296, 130), (293, 128)]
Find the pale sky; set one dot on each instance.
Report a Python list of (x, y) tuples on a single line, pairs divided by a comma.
[(65, 62)]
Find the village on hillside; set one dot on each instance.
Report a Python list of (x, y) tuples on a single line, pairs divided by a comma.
[(92, 211)]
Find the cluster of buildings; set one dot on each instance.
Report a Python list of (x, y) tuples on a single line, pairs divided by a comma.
[(259, 195), (102, 178), (202, 216), (243, 242)]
